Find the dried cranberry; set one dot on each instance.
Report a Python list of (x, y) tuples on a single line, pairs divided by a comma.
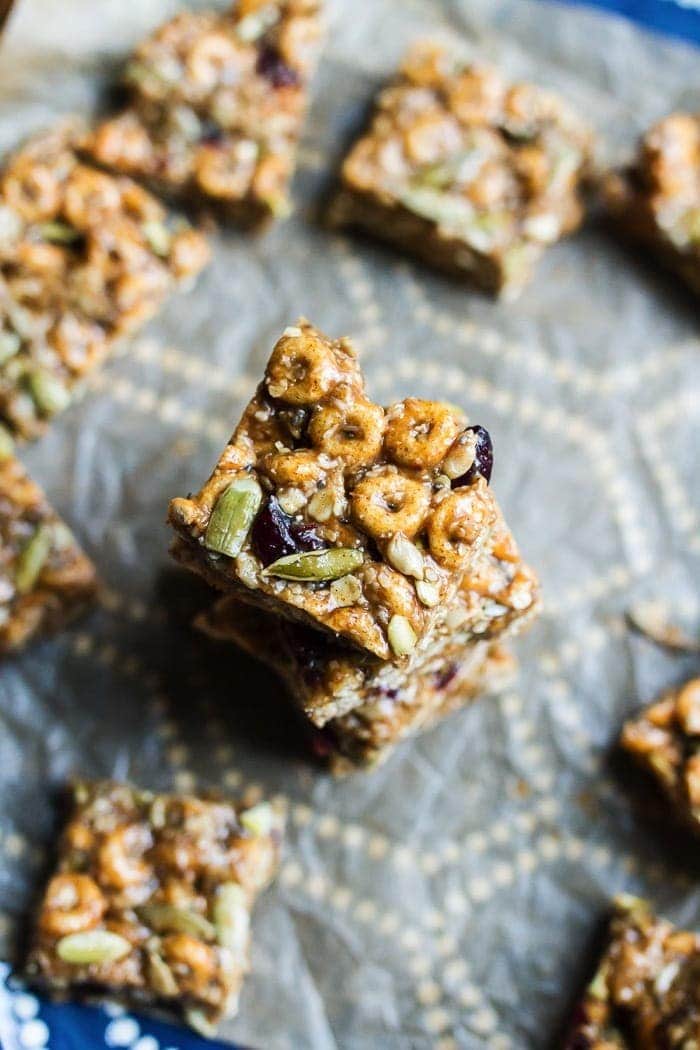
[(211, 134), (441, 679), (483, 458), (385, 692), (272, 66), (275, 534)]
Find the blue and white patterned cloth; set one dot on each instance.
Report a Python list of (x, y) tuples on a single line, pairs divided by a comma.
[(678, 18), (30, 1023)]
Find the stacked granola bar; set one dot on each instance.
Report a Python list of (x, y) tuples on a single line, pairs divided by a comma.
[(359, 549)]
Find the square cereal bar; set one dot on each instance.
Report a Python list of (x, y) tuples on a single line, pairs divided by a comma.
[(472, 174), (151, 899), (655, 202), (217, 105), (645, 991), (665, 740), (363, 706), (329, 680), (328, 509), (84, 259), (45, 579)]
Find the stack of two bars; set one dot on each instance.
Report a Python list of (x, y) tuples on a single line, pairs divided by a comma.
[(359, 550)]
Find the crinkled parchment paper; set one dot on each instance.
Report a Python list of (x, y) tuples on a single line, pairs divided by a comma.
[(452, 898)]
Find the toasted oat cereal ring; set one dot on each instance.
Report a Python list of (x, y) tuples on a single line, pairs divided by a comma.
[(122, 142), (208, 57), (73, 902), (431, 137), (90, 194), (221, 173), (194, 962), (455, 525), (300, 467), (301, 370), (419, 433), (141, 204), (352, 432), (387, 502), (120, 857), (32, 190)]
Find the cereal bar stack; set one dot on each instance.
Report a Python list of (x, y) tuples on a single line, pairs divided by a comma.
[(359, 550)]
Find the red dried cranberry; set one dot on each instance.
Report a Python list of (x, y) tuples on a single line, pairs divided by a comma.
[(272, 66), (483, 458), (275, 534), (441, 679), (210, 134)]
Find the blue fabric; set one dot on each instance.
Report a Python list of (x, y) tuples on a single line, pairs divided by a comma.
[(30, 1023), (678, 18)]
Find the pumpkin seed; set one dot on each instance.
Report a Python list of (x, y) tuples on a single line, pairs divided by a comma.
[(402, 637), (258, 820), (7, 445), (32, 559), (232, 918), (161, 976), (158, 237), (59, 232), (10, 343), (232, 517), (48, 393), (198, 1020), (316, 565), (166, 917), (92, 946), (442, 208)]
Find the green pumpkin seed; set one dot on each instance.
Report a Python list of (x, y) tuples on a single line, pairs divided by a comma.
[(232, 517), (161, 976), (198, 1020), (166, 917), (92, 946), (232, 918), (7, 445), (32, 559), (316, 565), (258, 820), (49, 393), (442, 208), (158, 237), (59, 233), (10, 343)]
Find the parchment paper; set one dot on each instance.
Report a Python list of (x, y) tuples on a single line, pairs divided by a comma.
[(452, 898)]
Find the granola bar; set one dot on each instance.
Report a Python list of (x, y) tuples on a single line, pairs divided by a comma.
[(217, 106), (665, 740), (655, 202), (361, 712), (330, 680), (472, 174), (85, 258), (645, 992), (45, 579), (151, 899), (328, 509)]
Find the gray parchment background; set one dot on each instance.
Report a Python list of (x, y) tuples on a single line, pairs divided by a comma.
[(452, 898)]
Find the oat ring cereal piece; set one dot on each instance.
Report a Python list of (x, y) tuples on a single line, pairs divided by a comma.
[(352, 432), (419, 433), (455, 526), (195, 961), (300, 370), (73, 902), (32, 190), (300, 467), (90, 194), (120, 857), (387, 502)]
